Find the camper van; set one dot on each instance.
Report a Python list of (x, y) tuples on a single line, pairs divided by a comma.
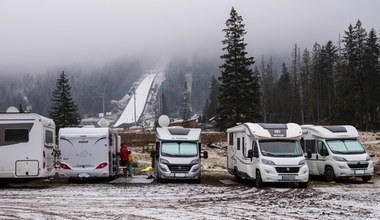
[(267, 153), (27, 146), (335, 152), (178, 153), (88, 152)]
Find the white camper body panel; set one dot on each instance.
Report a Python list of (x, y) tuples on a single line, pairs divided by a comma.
[(248, 156), (88, 152), (178, 153), (335, 151), (27, 146)]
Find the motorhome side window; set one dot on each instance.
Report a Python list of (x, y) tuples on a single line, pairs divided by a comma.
[(231, 138), (310, 146), (302, 142), (322, 149), (243, 147), (16, 135), (48, 137), (238, 143), (255, 148)]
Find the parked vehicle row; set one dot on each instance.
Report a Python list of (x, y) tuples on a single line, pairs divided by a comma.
[(267, 153), (335, 152), (261, 152), (88, 153), (27, 146), (290, 153)]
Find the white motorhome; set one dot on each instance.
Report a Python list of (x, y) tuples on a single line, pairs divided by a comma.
[(267, 153), (178, 154), (88, 153), (27, 146), (335, 152)]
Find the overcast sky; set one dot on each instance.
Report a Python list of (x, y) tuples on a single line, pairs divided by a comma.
[(40, 34)]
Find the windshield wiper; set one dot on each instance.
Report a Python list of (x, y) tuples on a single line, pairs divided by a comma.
[(166, 154), (268, 154)]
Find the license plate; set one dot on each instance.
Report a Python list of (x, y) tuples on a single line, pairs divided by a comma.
[(179, 175), (288, 178), (83, 175), (359, 171)]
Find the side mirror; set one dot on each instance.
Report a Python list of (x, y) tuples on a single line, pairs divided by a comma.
[(205, 154), (250, 153), (153, 153), (308, 154), (324, 152)]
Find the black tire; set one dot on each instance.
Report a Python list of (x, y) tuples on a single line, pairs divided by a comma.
[(303, 184), (198, 181), (158, 180), (259, 180), (238, 178), (3, 184), (329, 174), (366, 178)]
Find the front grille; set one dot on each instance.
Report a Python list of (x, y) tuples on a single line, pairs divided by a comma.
[(287, 169), (179, 167), (358, 165)]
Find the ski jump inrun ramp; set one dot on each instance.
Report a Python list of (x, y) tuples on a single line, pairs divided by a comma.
[(141, 94)]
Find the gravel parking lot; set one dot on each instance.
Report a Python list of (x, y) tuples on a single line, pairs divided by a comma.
[(139, 198)]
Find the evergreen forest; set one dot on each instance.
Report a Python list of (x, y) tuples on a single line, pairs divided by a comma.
[(334, 82)]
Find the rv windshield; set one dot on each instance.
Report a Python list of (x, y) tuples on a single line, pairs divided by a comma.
[(280, 148), (345, 146), (179, 149)]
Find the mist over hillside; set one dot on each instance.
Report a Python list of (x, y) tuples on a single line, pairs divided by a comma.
[(90, 86)]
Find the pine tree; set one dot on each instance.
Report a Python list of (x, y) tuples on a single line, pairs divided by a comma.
[(267, 92), (315, 92), (306, 99), (295, 100), (186, 109), (351, 100), (211, 104), (163, 105), (239, 94), (64, 112), (372, 80), (284, 91)]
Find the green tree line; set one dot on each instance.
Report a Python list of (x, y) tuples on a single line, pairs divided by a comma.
[(331, 84)]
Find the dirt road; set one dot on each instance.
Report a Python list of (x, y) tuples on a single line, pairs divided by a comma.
[(350, 199)]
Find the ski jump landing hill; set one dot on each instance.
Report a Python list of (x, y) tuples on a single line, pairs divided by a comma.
[(137, 102)]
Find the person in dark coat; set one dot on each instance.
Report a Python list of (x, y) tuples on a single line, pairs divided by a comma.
[(124, 158)]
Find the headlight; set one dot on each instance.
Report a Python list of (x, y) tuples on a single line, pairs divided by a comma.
[(367, 158), (302, 162), (267, 162), (193, 162), (341, 159), (164, 161)]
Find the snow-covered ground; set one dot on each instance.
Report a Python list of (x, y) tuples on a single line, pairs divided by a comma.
[(141, 199)]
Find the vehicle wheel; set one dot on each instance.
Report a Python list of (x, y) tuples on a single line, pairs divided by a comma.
[(366, 178), (3, 184), (198, 181), (259, 180), (159, 180), (238, 178), (329, 174), (303, 184)]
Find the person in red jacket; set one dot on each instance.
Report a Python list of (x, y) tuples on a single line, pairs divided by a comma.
[(124, 158)]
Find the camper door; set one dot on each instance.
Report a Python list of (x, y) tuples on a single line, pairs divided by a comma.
[(318, 158), (322, 154), (231, 155)]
